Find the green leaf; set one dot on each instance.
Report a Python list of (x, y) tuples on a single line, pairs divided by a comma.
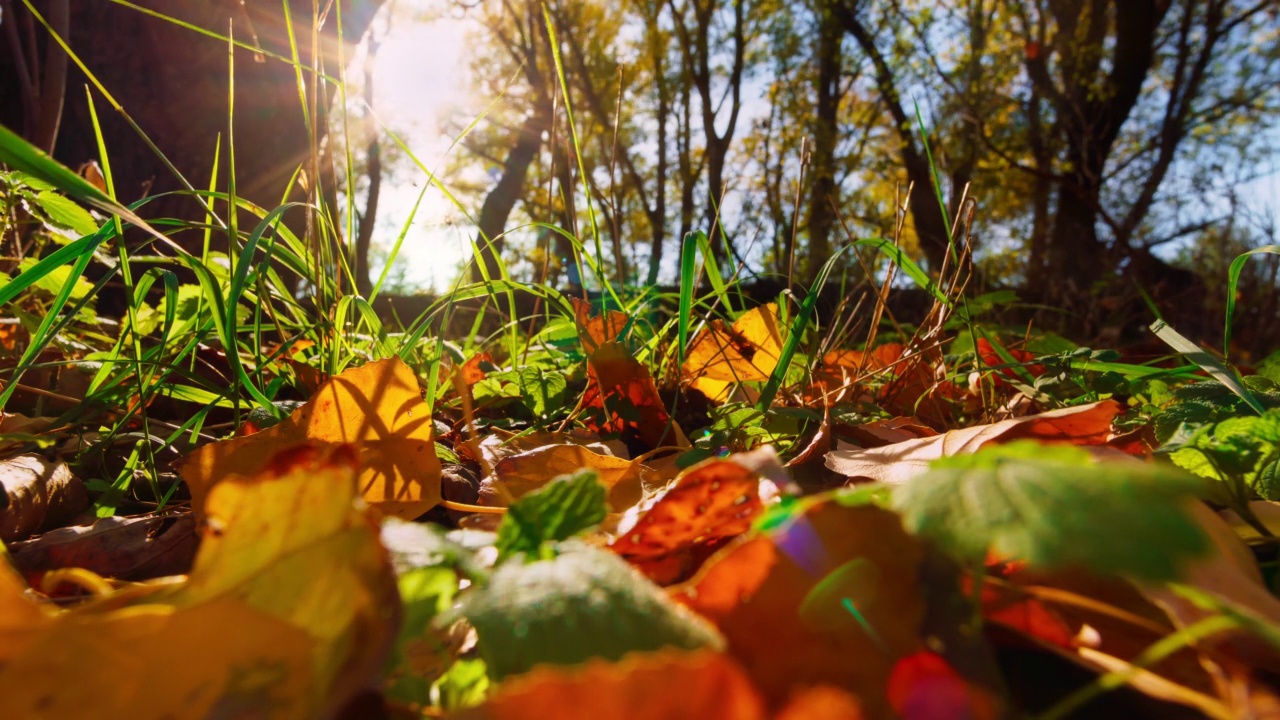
[(585, 603), (63, 211), (54, 279), (563, 508), (1055, 506), (541, 390)]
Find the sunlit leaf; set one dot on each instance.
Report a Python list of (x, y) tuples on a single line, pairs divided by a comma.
[(377, 407), (1056, 506)]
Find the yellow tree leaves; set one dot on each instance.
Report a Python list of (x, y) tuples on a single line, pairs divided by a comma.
[(288, 613), (377, 408)]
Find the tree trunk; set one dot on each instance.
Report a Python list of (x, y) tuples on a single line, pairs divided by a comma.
[(502, 199), (823, 197)]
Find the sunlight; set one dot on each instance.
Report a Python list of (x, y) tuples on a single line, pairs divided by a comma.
[(419, 80)]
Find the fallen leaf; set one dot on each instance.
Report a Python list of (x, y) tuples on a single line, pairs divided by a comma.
[(821, 702), (668, 684), (879, 433), (991, 358), (831, 597), (377, 407), (596, 330), (130, 549), (746, 352), (712, 501), (924, 686), (621, 387), (527, 471), (899, 462), (472, 373), (37, 494), (289, 612)]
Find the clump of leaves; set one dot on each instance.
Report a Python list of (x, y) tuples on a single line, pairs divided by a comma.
[(1055, 506), (1244, 451), (553, 599), (1205, 403)]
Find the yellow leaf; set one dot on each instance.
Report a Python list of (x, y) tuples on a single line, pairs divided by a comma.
[(530, 470), (376, 407), (289, 611), (744, 353)]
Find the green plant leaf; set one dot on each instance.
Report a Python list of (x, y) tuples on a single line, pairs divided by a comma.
[(563, 508), (1056, 506), (63, 211), (584, 603)]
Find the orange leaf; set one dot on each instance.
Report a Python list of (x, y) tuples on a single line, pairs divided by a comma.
[(594, 331), (746, 352), (377, 407), (471, 372), (899, 462), (713, 500), (665, 684), (830, 598), (622, 388)]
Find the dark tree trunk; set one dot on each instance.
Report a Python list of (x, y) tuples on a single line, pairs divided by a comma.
[(502, 199), (174, 83), (823, 196)]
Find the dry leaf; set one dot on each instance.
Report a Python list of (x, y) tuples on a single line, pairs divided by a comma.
[(899, 462), (125, 548), (596, 330), (673, 685), (712, 501), (471, 371), (924, 686), (821, 702), (746, 352), (288, 613), (620, 387), (377, 407), (37, 494), (527, 471), (831, 597)]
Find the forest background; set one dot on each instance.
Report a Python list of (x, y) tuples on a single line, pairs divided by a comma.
[(1101, 157)]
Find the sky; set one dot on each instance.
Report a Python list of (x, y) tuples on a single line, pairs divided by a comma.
[(419, 76)]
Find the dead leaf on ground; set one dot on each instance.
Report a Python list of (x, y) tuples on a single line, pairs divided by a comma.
[(596, 330), (471, 371), (525, 472), (899, 462), (924, 686), (878, 433), (130, 549), (621, 388), (747, 352), (669, 684), (831, 597), (712, 501), (37, 493), (288, 613), (377, 407)]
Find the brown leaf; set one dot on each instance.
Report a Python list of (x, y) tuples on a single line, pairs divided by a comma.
[(527, 471), (821, 702), (832, 597), (131, 549), (596, 330), (878, 433), (899, 462), (621, 387), (713, 500), (376, 407), (37, 494), (668, 684), (472, 373)]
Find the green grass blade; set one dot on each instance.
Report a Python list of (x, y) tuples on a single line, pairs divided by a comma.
[(1220, 371), (1233, 279)]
